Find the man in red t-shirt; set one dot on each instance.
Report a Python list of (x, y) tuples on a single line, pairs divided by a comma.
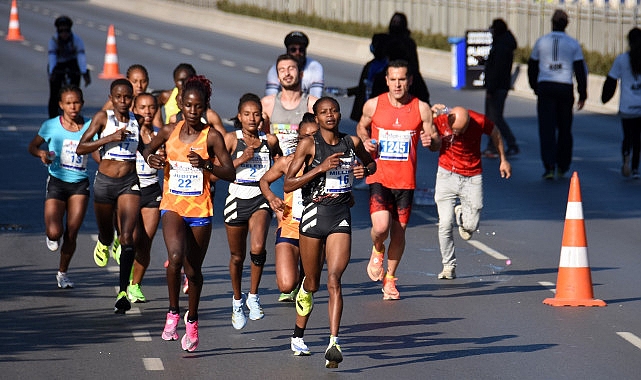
[(459, 176), (390, 127)]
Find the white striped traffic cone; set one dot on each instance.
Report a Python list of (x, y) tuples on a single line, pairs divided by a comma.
[(14, 24), (574, 281), (110, 69)]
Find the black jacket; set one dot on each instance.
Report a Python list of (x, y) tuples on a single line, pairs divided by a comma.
[(498, 67)]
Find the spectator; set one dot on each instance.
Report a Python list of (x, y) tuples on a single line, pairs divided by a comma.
[(555, 58), (312, 82), (363, 91), (498, 81), (67, 61)]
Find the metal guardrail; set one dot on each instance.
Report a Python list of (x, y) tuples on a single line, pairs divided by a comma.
[(600, 25)]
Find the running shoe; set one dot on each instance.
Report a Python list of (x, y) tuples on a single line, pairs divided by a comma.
[(375, 265), (465, 234), (549, 174), (189, 341), (63, 281), (101, 254), (134, 292), (288, 297), (122, 303), (299, 347), (52, 244), (185, 284), (635, 174), (333, 354), (171, 325), (116, 249), (448, 273), (625, 169), (304, 302), (389, 288), (238, 317), (255, 310)]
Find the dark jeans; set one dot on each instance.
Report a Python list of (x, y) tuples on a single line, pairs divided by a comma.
[(62, 73), (631, 140), (494, 105), (554, 108)]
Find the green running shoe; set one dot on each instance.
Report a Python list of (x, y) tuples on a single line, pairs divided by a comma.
[(304, 302), (134, 292), (101, 254), (122, 303)]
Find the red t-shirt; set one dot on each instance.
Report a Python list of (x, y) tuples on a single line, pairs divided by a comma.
[(462, 154), (397, 132)]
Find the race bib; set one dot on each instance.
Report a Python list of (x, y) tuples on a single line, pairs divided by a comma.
[(340, 180), (254, 169), (394, 145), (69, 159), (297, 205), (185, 179), (287, 137)]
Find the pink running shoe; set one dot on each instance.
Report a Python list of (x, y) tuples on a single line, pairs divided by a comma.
[(171, 324), (389, 288), (185, 284), (375, 265), (190, 339)]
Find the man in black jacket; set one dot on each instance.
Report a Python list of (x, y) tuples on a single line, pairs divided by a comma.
[(498, 81)]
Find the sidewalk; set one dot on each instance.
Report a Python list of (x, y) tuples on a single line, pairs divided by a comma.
[(435, 64)]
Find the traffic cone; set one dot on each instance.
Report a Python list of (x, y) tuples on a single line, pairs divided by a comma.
[(110, 69), (574, 281), (14, 24)]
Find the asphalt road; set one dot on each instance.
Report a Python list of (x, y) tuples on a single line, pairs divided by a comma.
[(489, 323)]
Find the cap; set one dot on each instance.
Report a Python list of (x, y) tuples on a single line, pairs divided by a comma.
[(296, 37)]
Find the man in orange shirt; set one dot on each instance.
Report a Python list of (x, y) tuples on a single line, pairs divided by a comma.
[(390, 128)]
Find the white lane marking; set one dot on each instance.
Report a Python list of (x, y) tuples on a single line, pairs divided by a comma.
[(103, 28), (91, 24), (113, 269), (631, 338), (133, 37), (153, 364), (228, 63), (39, 48), (134, 311), (490, 251), (150, 41), (253, 70), (550, 285), (167, 46), (206, 57), (186, 51), (141, 336), (26, 43)]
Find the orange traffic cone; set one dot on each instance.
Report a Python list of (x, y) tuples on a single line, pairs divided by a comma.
[(14, 24), (574, 282), (110, 69)]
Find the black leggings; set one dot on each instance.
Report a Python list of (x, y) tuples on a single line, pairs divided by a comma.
[(631, 139)]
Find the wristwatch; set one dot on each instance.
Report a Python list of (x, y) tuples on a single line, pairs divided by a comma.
[(366, 169), (208, 166)]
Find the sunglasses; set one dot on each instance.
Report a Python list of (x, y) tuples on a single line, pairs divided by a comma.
[(295, 49)]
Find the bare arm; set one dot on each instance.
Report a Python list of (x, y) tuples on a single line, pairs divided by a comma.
[(364, 126), (429, 135), (504, 167), (34, 149), (275, 172)]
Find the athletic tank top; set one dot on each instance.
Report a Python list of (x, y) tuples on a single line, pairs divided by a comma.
[(292, 212), (185, 188), (147, 175), (120, 150), (171, 107), (396, 131), (284, 123), (334, 186), (249, 173)]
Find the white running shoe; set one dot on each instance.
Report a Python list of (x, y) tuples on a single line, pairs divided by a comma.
[(52, 244), (63, 281), (255, 310), (299, 347), (238, 317)]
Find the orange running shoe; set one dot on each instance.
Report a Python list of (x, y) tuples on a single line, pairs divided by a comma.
[(389, 288), (375, 265)]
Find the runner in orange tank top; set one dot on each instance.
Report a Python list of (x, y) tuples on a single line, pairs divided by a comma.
[(186, 207), (390, 129)]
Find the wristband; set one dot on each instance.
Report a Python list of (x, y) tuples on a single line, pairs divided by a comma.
[(366, 169)]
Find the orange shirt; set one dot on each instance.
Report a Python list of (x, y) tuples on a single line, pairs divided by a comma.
[(292, 212), (397, 132), (185, 188)]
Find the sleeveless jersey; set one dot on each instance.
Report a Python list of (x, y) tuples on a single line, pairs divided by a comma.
[(334, 186), (171, 107), (185, 188), (396, 131), (120, 150), (67, 165), (284, 123), (292, 212), (147, 175), (248, 174)]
